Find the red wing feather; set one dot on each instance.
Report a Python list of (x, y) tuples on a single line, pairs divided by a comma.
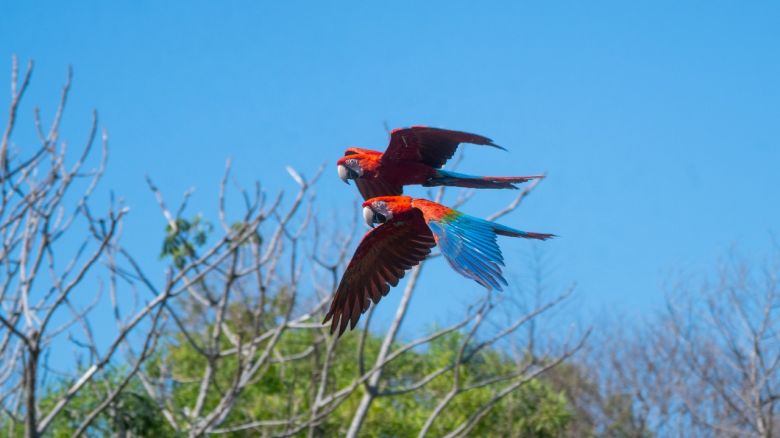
[(373, 187), (381, 259), (432, 146)]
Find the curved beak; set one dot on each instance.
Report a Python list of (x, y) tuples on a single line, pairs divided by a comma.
[(343, 174), (368, 215)]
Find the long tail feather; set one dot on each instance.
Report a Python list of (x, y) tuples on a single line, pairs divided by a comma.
[(445, 178), (512, 232)]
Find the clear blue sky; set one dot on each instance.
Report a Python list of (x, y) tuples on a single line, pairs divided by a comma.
[(657, 122)]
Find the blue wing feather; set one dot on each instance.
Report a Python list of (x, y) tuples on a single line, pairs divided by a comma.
[(469, 245), (486, 245)]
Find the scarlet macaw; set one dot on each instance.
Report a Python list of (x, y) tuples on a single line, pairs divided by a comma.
[(409, 229), (415, 156)]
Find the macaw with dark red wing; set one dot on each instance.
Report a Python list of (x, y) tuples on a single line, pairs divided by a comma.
[(415, 156), (408, 229)]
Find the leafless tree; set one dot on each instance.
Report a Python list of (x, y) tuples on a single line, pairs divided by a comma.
[(727, 341), (706, 366), (58, 257)]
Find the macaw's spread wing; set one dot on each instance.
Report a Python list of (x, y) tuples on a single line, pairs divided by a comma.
[(373, 187), (432, 146), (469, 245), (380, 260)]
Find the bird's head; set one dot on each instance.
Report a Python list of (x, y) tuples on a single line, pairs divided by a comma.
[(349, 167), (383, 208)]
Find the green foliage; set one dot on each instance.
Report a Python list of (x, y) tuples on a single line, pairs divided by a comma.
[(181, 240), (534, 410), (239, 228), (133, 411)]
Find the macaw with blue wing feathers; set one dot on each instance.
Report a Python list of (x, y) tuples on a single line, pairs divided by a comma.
[(415, 156), (409, 228)]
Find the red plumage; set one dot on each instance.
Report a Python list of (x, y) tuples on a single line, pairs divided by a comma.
[(415, 156), (409, 229)]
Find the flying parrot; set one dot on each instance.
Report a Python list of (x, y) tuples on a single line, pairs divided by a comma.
[(415, 156), (408, 229)]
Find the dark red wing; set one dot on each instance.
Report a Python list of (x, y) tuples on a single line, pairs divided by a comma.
[(373, 187), (381, 259), (432, 146)]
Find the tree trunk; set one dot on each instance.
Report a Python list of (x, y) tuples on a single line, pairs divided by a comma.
[(30, 377)]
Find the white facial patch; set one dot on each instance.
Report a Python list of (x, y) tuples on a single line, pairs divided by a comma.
[(381, 208), (354, 165)]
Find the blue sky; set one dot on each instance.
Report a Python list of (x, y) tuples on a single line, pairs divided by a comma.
[(657, 122)]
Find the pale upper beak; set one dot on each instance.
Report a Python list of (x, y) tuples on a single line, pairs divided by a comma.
[(368, 215), (343, 173)]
